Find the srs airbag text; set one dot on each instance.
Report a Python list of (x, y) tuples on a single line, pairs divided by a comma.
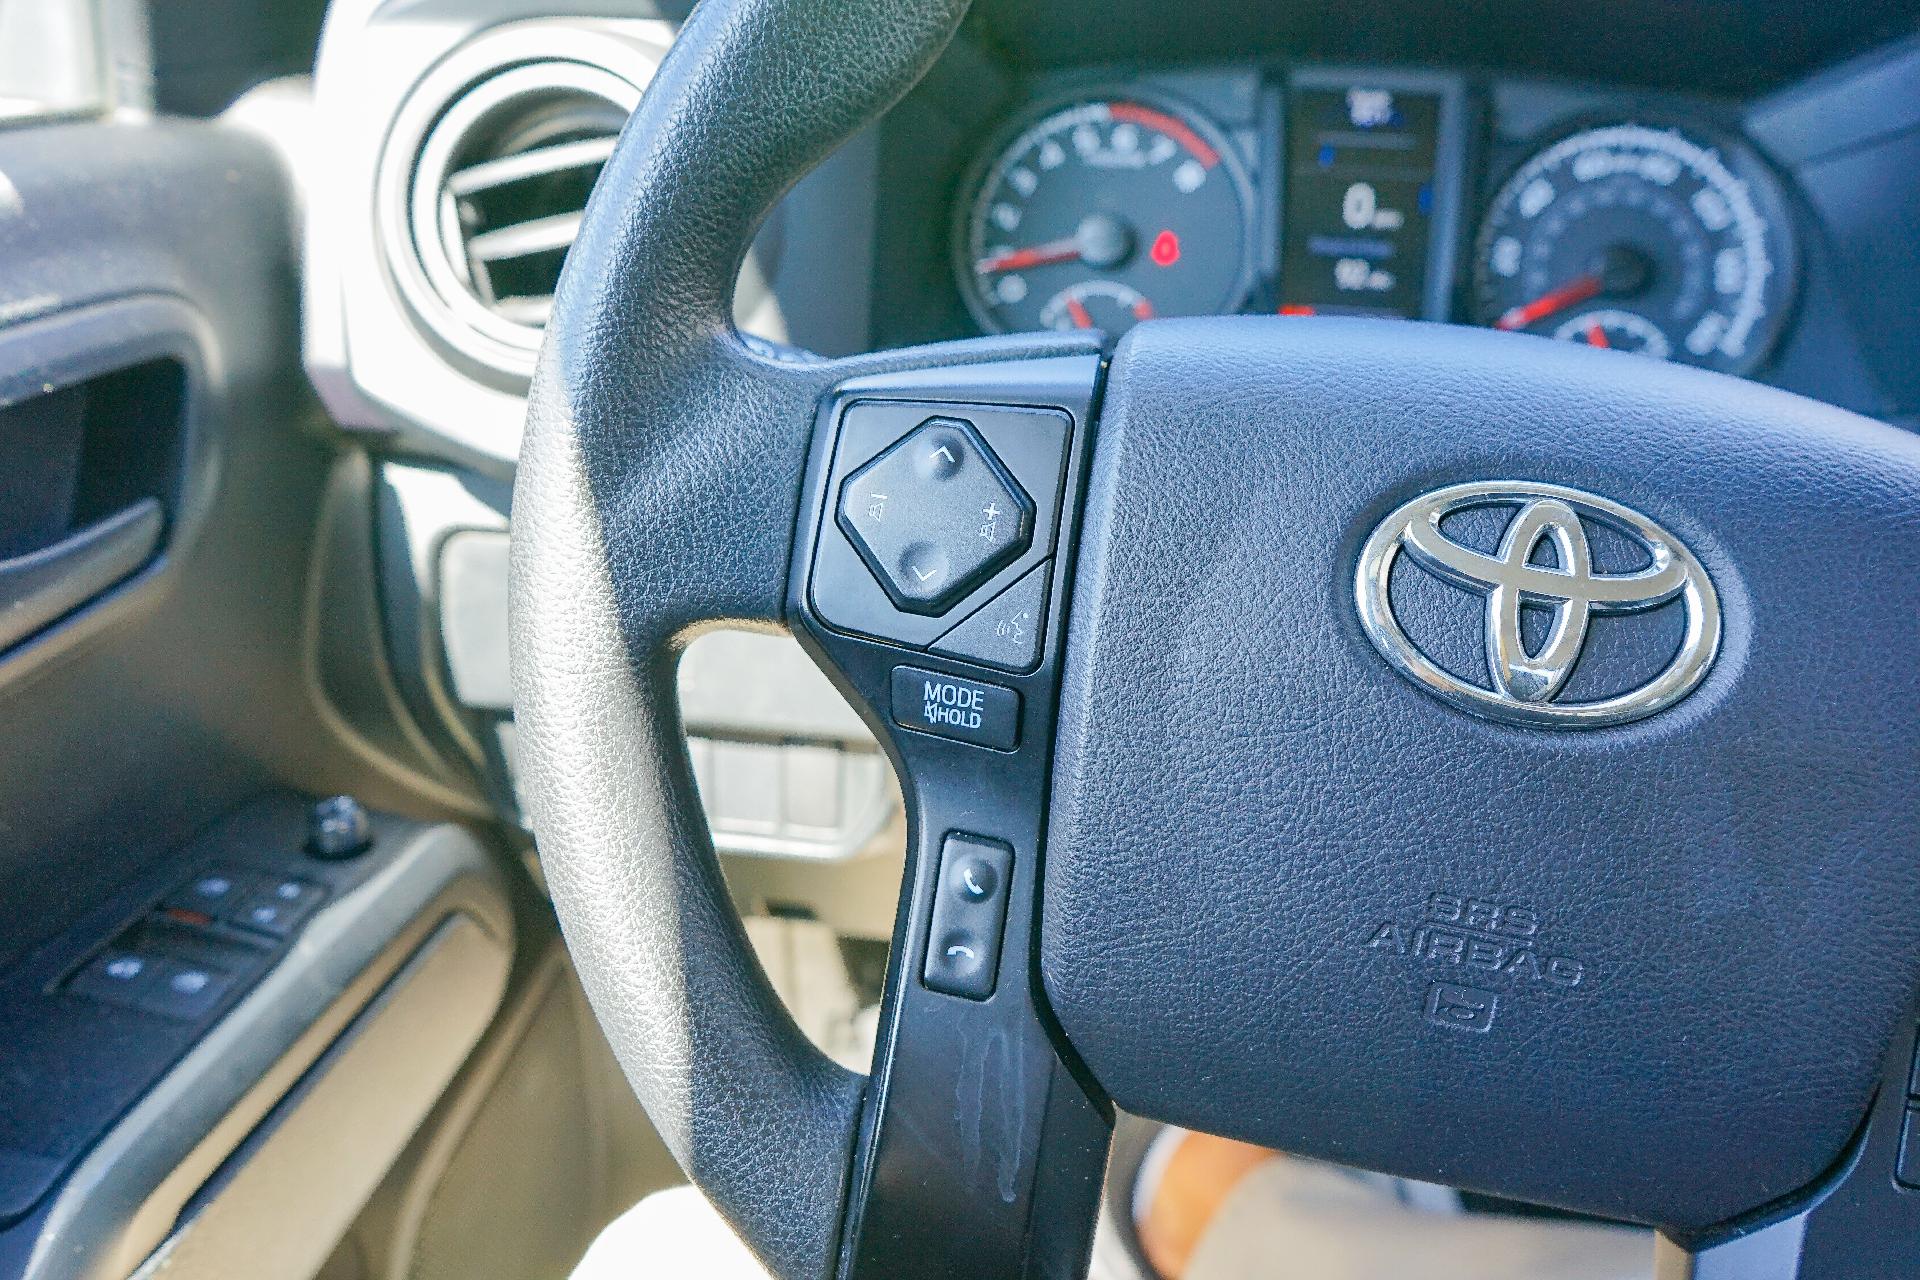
[(1473, 933)]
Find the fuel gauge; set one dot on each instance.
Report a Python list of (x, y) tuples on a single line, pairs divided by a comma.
[(1096, 304), (1619, 330)]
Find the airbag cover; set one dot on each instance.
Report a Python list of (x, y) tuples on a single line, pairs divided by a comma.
[(1647, 970)]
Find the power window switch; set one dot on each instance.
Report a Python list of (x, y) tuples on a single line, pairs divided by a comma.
[(279, 909), (213, 893), (184, 991), (116, 976), (293, 891)]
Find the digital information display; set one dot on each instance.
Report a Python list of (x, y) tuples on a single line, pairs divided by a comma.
[(1360, 177)]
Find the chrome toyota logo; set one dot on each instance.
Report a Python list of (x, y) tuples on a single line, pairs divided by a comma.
[(1523, 686)]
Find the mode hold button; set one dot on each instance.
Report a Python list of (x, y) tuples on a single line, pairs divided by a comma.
[(983, 714)]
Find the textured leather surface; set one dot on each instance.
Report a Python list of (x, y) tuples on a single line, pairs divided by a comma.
[(1245, 791), (657, 493)]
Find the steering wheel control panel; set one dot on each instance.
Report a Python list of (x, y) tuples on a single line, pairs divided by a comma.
[(943, 529), (935, 515), (926, 579)]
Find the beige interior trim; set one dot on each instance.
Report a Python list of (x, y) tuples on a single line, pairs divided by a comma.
[(1185, 1181), (312, 1172), (129, 1192)]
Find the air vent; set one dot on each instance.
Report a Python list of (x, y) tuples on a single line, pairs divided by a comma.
[(506, 214), (513, 217), (479, 221)]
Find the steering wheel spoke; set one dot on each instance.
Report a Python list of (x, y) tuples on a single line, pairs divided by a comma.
[(981, 1150), (605, 598), (1862, 1219)]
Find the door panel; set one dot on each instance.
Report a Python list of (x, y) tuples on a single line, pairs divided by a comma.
[(128, 724), (179, 528)]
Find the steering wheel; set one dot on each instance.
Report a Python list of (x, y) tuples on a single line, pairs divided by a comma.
[(1443, 752)]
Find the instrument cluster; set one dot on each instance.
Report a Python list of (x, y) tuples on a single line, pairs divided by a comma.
[(1383, 193)]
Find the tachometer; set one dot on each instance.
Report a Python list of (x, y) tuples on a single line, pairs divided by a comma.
[(1642, 238), (1101, 214)]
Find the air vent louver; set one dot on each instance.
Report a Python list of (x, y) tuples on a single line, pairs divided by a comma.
[(495, 199), (510, 219)]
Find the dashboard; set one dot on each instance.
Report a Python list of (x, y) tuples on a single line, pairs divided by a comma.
[(1640, 222), (1732, 185)]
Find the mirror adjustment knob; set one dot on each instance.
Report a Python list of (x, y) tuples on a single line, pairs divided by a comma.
[(338, 828)]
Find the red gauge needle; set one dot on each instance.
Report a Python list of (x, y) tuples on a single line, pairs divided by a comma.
[(1573, 292), (1082, 318), (1597, 336), (1038, 255)]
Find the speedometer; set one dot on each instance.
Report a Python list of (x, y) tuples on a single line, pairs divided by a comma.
[(1103, 213), (1641, 238)]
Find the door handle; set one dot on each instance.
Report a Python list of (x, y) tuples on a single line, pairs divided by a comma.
[(40, 586)]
